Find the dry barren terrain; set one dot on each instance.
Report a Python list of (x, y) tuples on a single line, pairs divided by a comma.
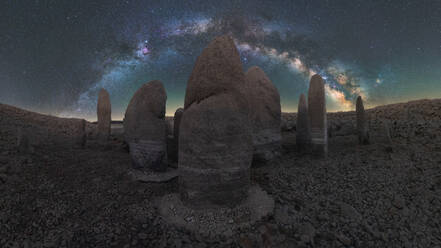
[(385, 194)]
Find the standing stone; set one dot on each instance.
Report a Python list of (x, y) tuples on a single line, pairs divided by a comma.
[(303, 130), (264, 114), (215, 145), (104, 111), (176, 123), (317, 116), (145, 128), (362, 127)]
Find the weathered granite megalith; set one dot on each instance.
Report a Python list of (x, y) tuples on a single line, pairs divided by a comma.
[(362, 125), (145, 127), (317, 116), (264, 114), (215, 144), (104, 112), (303, 129)]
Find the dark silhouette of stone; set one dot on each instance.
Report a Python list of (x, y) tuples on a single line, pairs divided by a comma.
[(104, 112), (303, 130), (176, 123), (145, 127), (317, 116), (362, 126), (215, 145), (264, 114), (169, 122)]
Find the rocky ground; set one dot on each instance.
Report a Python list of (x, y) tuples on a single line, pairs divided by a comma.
[(379, 195)]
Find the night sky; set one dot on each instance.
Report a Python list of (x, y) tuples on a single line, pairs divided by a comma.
[(56, 55)]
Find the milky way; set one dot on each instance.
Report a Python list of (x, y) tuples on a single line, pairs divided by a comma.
[(56, 56)]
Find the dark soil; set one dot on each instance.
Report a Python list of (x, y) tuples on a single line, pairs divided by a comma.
[(377, 195)]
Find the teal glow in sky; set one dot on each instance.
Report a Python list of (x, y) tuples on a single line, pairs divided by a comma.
[(56, 55)]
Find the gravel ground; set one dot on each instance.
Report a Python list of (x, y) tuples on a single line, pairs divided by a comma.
[(376, 195)]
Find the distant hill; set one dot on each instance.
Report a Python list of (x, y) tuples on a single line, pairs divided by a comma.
[(414, 118)]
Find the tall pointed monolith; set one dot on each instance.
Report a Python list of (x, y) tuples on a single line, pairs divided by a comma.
[(264, 114), (104, 112), (145, 127), (215, 145), (362, 127), (317, 116), (303, 129)]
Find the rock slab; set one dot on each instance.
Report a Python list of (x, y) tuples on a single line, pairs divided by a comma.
[(222, 222)]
